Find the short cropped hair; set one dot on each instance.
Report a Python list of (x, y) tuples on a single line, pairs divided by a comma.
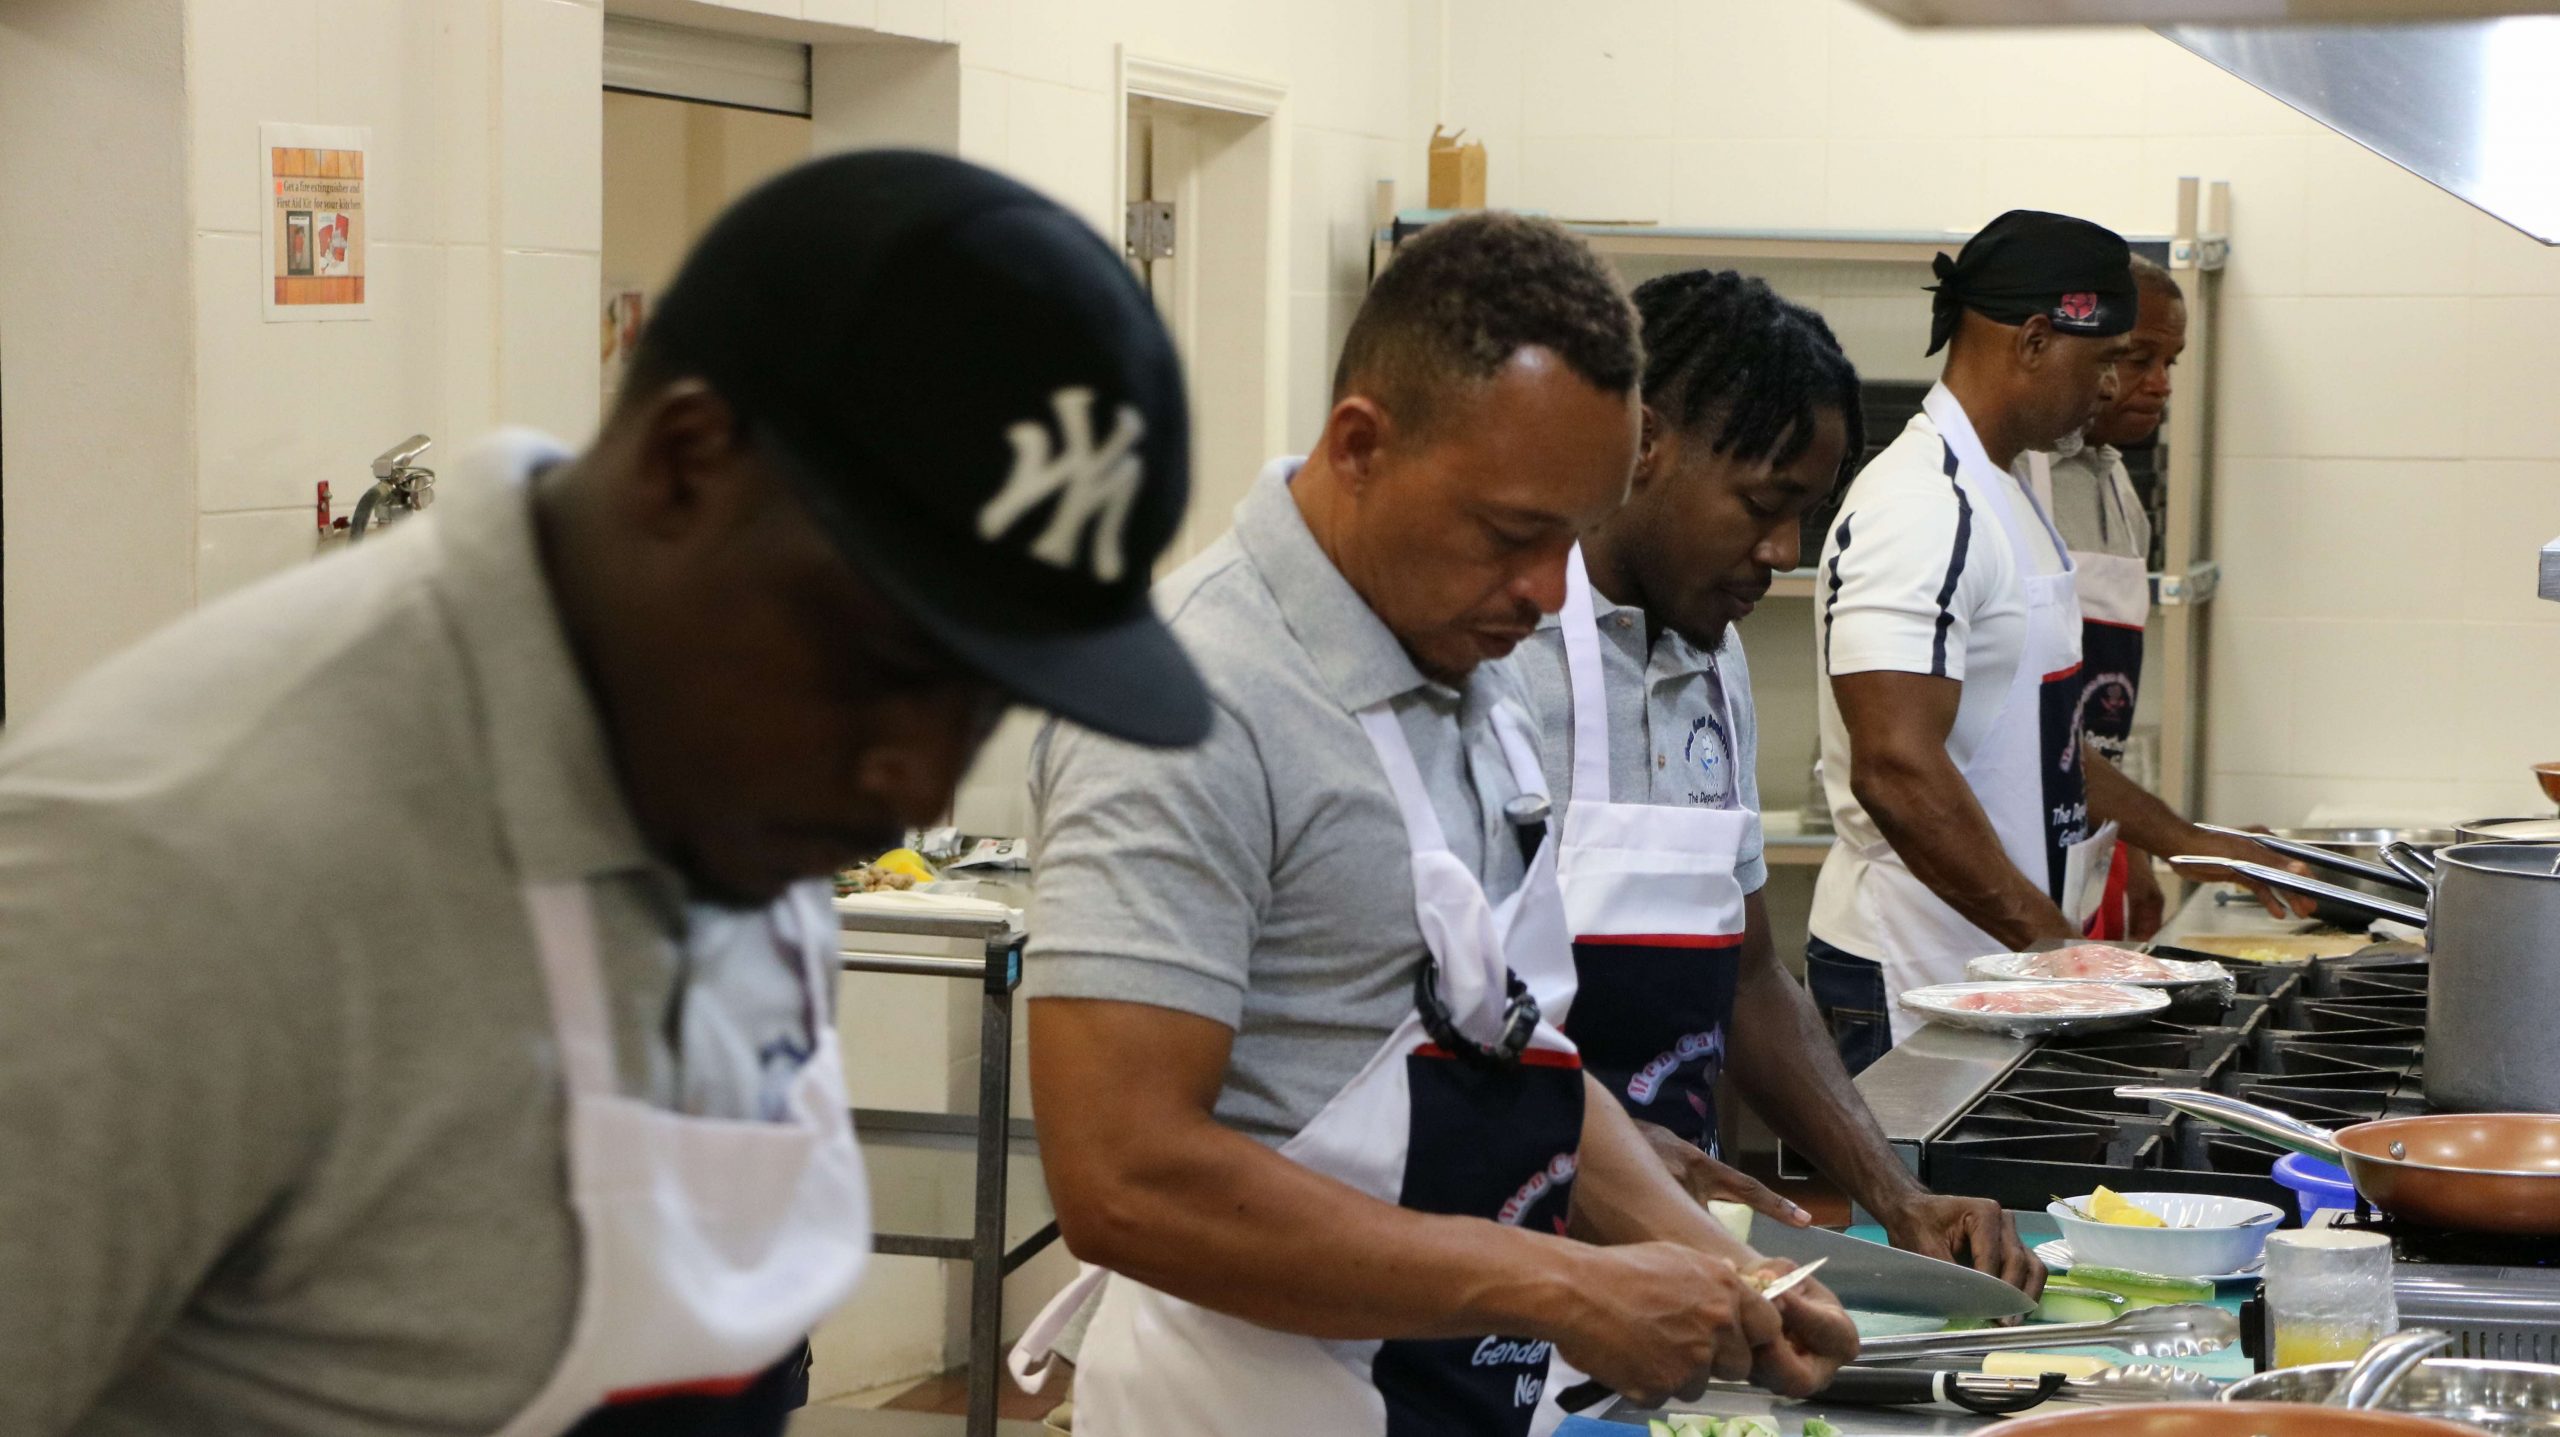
[(1467, 294), (2151, 275)]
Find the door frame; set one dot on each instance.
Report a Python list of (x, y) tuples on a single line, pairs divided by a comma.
[(1140, 76)]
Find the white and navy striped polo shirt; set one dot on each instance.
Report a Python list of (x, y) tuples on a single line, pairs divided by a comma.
[(1912, 580)]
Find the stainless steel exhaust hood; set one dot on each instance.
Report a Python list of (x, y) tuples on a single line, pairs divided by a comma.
[(2197, 12), (2472, 107), (2464, 94)]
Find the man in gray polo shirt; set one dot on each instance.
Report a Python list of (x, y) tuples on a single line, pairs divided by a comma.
[(1225, 937), (385, 949)]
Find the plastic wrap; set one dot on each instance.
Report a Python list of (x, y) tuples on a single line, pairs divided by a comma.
[(2106, 1005)]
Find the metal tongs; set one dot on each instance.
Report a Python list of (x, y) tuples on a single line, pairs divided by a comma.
[(2183, 1329)]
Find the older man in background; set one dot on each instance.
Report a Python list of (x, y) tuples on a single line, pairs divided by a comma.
[(2083, 484)]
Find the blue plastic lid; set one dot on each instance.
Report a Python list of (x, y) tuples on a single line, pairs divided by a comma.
[(2303, 1173)]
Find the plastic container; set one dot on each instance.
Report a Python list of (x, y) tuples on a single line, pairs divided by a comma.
[(2315, 1184), (2329, 1295)]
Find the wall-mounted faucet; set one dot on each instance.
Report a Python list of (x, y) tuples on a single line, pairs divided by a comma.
[(400, 487)]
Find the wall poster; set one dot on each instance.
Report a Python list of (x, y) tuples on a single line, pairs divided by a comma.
[(315, 229)]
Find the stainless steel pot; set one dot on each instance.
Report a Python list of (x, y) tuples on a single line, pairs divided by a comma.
[(2493, 997), (2493, 942), (2509, 830), (2501, 1397)]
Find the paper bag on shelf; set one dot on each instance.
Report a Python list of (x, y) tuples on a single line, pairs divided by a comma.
[(1457, 172)]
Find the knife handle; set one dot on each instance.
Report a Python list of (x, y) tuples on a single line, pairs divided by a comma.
[(1886, 1386), (1916, 1386)]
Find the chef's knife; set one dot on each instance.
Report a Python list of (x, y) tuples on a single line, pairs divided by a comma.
[(1871, 1277)]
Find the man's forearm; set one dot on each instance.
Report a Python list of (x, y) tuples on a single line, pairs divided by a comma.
[(1149, 1185), (1923, 807), (2141, 819), (1230, 1224), (1622, 1193), (1784, 1065)]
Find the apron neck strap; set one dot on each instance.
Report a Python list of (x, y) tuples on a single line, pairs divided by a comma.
[(1421, 822), (564, 929), (1585, 680)]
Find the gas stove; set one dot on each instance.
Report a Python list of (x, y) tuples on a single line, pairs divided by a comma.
[(2333, 1041)]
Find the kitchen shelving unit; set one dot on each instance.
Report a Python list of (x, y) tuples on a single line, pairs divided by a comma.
[(2195, 252)]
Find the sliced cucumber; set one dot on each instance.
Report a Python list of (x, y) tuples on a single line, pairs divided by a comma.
[(1816, 1427), (1749, 1427), (2143, 1289), (2070, 1302), (1659, 1428)]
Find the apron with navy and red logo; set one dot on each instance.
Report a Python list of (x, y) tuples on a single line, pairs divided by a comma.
[(1655, 910), (1432, 1122), (708, 1247), (2027, 773), (2115, 605)]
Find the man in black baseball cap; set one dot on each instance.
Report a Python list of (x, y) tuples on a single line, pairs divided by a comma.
[(420, 966), (1972, 817)]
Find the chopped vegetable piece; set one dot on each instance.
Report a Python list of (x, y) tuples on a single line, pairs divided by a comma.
[(2070, 1302), (1816, 1427), (1659, 1428), (2143, 1289), (1749, 1427), (1733, 1217)]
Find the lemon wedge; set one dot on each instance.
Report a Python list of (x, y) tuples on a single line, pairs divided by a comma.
[(2110, 1207), (906, 861)]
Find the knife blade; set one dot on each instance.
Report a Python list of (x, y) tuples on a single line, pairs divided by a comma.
[(1872, 1277), (1792, 1280)]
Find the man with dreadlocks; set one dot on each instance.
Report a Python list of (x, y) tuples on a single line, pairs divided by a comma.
[(1643, 703), (1973, 818)]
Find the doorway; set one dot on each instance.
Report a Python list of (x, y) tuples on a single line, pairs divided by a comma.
[(1208, 148)]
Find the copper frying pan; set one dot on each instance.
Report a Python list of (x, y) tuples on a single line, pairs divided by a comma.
[(2231, 1419), (2473, 1172)]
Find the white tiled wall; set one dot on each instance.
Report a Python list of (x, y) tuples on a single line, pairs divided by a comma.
[(94, 306), (2388, 459), (483, 204)]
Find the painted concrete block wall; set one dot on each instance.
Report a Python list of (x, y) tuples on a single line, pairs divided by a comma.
[(100, 513), (2386, 468), (484, 202)]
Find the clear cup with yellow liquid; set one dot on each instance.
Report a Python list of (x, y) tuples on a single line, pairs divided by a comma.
[(2328, 1294)]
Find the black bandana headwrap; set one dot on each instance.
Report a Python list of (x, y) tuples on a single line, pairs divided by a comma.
[(2077, 274)]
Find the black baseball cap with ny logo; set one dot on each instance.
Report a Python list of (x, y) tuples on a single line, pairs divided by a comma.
[(977, 402)]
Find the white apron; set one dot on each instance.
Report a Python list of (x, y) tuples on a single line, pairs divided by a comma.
[(2027, 774), (708, 1247), (2115, 608), (1655, 911), (1420, 1126)]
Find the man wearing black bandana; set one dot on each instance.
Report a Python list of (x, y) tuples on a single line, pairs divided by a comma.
[(1972, 817)]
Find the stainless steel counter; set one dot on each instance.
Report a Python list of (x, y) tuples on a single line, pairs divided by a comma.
[(1929, 1079)]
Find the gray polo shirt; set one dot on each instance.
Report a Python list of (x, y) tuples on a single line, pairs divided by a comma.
[(280, 1111), (1668, 738), (1262, 880)]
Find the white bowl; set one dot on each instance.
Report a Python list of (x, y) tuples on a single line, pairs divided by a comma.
[(2207, 1236)]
